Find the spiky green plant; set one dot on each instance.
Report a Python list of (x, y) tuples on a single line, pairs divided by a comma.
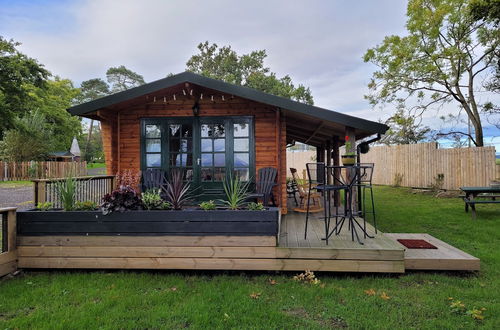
[(177, 191), (236, 192), (66, 190)]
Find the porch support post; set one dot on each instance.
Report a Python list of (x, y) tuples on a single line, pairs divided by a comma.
[(351, 134), (335, 158), (329, 158)]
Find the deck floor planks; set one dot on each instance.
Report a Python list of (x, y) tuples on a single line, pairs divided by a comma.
[(445, 257)]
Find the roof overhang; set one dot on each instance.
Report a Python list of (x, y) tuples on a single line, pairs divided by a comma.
[(305, 123)]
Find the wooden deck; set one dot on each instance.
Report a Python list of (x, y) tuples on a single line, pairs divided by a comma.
[(288, 252), (445, 257)]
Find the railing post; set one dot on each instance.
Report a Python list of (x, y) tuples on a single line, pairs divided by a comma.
[(8, 254), (40, 187)]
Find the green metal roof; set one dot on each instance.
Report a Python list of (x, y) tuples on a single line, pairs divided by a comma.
[(240, 91)]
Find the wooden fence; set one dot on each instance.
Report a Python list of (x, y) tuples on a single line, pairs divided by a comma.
[(420, 164), (88, 188), (13, 171)]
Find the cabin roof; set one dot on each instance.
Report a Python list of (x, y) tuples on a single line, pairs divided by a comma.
[(323, 123)]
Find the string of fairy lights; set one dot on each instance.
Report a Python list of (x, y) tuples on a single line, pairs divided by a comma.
[(190, 92)]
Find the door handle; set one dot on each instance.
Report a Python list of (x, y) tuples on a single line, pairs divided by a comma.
[(198, 161)]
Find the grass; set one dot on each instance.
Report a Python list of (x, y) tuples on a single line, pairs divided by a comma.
[(14, 184), (497, 161), (135, 299), (95, 165)]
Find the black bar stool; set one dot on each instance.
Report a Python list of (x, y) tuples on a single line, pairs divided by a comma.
[(317, 177), (365, 182)]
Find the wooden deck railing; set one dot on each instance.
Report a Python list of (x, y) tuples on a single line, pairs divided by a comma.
[(89, 188), (8, 250)]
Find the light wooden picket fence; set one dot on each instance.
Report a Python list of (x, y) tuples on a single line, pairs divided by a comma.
[(14, 171), (419, 165)]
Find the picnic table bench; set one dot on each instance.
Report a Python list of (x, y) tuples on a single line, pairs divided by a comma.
[(479, 195)]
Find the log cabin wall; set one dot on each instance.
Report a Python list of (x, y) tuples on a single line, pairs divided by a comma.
[(121, 132)]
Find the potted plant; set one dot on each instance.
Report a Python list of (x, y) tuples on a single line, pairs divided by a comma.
[(349, 157)]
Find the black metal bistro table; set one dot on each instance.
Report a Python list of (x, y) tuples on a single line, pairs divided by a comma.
[(353, 173)]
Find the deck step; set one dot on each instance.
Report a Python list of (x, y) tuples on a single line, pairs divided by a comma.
[(445, 257)]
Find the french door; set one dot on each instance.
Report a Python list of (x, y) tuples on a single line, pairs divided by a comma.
[(205, 149)]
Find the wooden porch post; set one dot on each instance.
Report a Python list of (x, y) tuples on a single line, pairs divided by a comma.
[(351, 134), (329, 158), (335, 156)]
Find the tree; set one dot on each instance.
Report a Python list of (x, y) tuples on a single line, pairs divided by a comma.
[(90, 90), (404, 129), (245, 70), (52, 101), (443, 59), (120, 78), (30, 140), (17, 73)]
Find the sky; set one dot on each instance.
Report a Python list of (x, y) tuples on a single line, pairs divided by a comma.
[(320, 44)]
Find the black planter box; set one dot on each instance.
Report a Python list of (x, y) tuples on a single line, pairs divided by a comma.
[(137, 223)]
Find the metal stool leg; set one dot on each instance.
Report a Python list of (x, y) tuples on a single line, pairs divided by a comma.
[(307, 212)]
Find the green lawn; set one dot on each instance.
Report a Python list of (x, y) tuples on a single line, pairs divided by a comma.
[(14, 184), (133, 299), (96, 165)]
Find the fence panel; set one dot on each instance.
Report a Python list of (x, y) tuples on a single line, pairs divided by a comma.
[(15, 171), (419, 164)]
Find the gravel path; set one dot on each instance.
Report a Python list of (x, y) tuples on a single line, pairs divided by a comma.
[(16, 196)]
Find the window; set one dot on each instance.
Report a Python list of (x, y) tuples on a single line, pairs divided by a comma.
[(152, 141), (180, 145), (213, 152), (241, 150)]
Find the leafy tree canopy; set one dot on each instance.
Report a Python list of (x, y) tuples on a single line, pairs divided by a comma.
[(443, 59), (52, 102), (120, 78), (223, 63), (404, 129), (30, 140), (92, 89), (17, 73)]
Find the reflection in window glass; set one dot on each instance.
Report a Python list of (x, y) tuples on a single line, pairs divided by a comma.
[(241, 173), (206, 174), (218, 130), (220, 173), (206, 159), (175, 130), (241, 145), (241, 160), (241, 130), (187, 130), (153, 145), (153, 131), (185, 145), (153, 160), (206, 145), (205, 130), (220, 159), (219, 144)]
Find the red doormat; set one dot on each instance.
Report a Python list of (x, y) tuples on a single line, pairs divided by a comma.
[(416, 244)]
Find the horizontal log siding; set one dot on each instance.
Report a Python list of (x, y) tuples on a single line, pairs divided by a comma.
[(266, 148)]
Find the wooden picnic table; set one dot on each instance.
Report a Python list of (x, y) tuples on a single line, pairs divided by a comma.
[(476, 195)]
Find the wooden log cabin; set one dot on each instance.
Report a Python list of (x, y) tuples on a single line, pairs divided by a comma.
[(210, 128)]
